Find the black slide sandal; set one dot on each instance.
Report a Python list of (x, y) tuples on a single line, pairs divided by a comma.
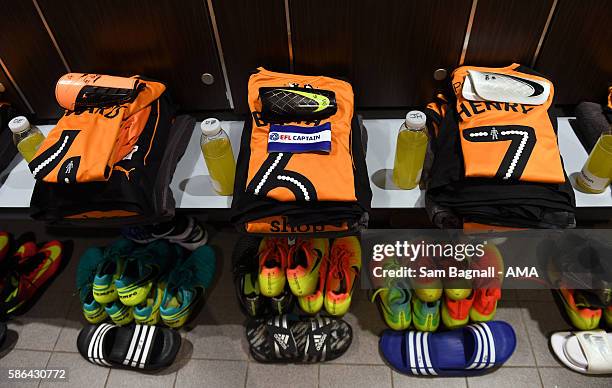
[(132, 347), (287, 339)]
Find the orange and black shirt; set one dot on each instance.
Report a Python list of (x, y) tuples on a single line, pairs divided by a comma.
[(96, 131), (323, 193), (509, 141), (508, 174), (305, 176)]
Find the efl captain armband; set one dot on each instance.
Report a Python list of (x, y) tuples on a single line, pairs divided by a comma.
[(77, 91), (295, 104), (296, 139)]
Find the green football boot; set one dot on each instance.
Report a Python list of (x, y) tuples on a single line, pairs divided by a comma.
[(186, 286)]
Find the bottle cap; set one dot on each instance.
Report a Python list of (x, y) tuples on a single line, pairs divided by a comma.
[(19, 124), (415, 119), (210, 127)]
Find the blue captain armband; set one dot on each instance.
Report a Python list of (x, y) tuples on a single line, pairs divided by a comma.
[(298, 139)]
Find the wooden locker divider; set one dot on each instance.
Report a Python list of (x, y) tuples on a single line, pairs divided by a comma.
[(166, 40), (252, 34), (11, 95), (388, 50), (577, 53), (506, 31), (30, 57)]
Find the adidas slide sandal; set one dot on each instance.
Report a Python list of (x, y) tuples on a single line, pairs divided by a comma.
[(287, 338), (470, 351), (588, 352), (134, 347)]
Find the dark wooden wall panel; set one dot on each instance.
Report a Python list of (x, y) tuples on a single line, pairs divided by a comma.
[(504, 32), (28, 53), (11, 95), (163, 39), (577, 52), (253, 34), (388, 49)]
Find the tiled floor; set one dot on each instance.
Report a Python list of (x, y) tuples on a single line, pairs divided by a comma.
[(215, 352)]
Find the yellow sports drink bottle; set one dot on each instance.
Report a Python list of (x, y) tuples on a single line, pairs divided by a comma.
[(26, 137), (410, 151), (597, 171), (219, 157)]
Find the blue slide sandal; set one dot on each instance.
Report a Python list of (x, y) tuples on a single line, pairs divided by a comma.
[(470, 351)]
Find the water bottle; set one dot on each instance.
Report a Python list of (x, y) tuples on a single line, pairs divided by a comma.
[(26, 137), (410, 151), (597, 171), (219, 157)]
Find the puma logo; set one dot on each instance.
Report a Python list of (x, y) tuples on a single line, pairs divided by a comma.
[(123, 170)]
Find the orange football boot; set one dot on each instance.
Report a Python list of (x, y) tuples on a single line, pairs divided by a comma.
[(345, 265), (273, 254)]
